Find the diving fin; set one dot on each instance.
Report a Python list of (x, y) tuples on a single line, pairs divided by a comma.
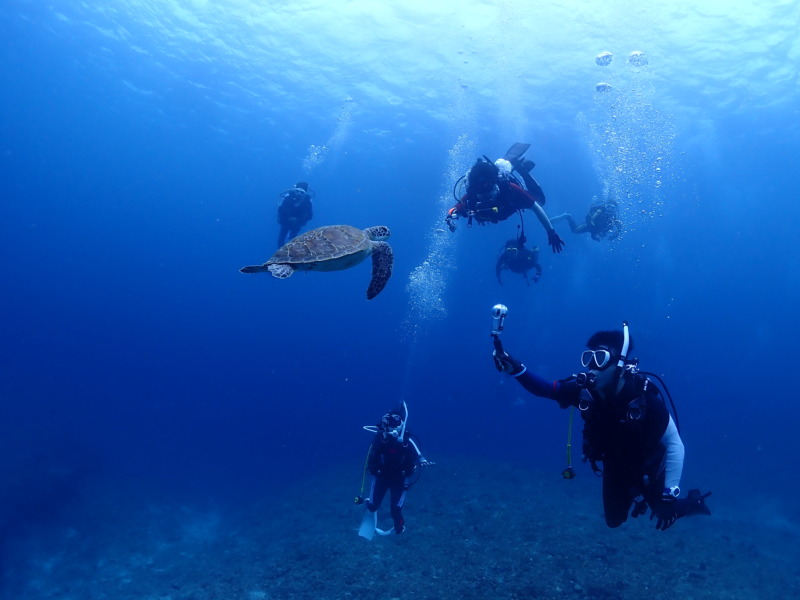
[(693, 504), (368, 524), (516, 151), (523, 165), (514, 156)]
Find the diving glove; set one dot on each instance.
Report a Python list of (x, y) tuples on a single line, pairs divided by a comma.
[(670, 509), (504, 362), (555, 241), (665, 512)]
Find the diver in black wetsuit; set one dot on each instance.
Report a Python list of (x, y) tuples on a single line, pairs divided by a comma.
[(393, 460), (493, 194), (294, 211), (627, 428), (517, 258), (600, 222)]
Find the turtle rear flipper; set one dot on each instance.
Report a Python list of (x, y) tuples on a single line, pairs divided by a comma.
[(280, 271), (382, 261), (254, 269)]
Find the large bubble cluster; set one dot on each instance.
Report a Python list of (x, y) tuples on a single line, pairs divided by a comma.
[(603, 59), (316, 154), (638, 59), (631, 141), (428, 281)]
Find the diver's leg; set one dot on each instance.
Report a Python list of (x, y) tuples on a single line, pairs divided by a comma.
[(282, 235), (617, 495), (376, 493), (398, 498), (570, 221)]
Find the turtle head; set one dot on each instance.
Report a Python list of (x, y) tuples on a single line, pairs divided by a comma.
[(379, 233)]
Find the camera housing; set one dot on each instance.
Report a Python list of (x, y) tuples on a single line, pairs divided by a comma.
[(499, 313)]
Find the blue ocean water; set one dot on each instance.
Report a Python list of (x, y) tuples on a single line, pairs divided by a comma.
[(143, 146)]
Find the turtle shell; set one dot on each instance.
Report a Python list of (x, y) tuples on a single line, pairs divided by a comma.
[(328, 243)]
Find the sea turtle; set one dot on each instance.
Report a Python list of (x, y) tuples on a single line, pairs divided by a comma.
[(333, 248)]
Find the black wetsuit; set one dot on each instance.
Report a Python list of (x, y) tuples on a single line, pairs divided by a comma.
[(294, 211), (625, 434), (392, 465), (518, 259), (601, 221)]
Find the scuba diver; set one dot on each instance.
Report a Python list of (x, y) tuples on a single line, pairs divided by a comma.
[(626, 427), (294, 211), (515, 257), (601, 221), (493, 193), (394, 460)]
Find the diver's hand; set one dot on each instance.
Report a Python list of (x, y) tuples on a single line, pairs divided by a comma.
[(451, 222), (504, 362), (555, 241), (665, 512), (424, 462)]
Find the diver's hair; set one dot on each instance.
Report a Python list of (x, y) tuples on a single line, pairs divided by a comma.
[(613, 339), (302, 185), (481, 170), (400, 410)]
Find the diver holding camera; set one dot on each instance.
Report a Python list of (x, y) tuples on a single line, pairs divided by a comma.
[(627, 427)]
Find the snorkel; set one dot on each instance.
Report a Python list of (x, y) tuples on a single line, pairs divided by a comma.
[(405, 420), (626, 343), (623, 355)]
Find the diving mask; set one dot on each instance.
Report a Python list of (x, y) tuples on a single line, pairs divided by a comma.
[(392, 426), (596, 359)]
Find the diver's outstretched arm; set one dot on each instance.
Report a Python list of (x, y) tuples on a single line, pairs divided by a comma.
[(498, 269), (542, 216), (553, 239)]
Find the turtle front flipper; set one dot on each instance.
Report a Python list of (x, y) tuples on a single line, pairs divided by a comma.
[(280, 270), (382, 261)]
